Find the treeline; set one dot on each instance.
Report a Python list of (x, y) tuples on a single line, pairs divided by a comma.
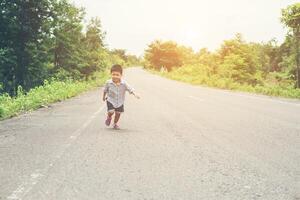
[(237, 63), (45, 39)]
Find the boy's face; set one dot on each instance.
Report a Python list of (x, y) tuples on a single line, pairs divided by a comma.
[(116, 76)]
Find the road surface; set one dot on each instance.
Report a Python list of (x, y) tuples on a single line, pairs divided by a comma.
[(178, 141)]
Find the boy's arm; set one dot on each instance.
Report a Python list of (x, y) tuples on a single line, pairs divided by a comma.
[(131, 90), (134, 94), (105, 91), (104, 96)]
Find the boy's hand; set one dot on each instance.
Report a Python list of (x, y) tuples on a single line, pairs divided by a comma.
[(136, 96), (104, 96)]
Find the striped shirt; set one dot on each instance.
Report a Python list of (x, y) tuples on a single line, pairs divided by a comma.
[(116, 93)]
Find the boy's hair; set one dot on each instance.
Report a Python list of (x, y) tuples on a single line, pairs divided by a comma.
[(116, 68)]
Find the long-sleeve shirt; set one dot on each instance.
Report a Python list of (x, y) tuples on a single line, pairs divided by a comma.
[(116, 93)]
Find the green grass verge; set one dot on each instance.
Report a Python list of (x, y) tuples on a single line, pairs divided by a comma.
[(185, 75), (49, 92)]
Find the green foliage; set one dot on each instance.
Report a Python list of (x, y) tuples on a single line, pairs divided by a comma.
[(67, 44), (197, 74), (133, 60), (51, 91), (238, 60), (122, 57), (94, 57), (291, 18), (23, 37), (164, 55), (46, 40), (266, 68)]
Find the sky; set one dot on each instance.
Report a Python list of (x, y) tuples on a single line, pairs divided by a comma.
[(134, 24)]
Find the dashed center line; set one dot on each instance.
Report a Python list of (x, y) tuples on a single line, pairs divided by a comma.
[(196, 98), (36, 176)]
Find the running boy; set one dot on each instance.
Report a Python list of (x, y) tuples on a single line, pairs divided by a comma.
[(114, 94)]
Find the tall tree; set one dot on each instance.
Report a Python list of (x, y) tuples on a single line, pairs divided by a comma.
[(291, 18), (94, 48), (22, 32), (239, 60), (68, 36)]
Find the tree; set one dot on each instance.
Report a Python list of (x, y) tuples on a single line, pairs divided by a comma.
[(120, 53), (291, 18), (68, 37), (133, 60), (94, 37), (239, 59), (164, 55), (45, 38), (209, 59), (23, 32), (94, 48)]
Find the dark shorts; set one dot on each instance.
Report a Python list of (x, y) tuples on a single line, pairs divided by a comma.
[(111, 107)]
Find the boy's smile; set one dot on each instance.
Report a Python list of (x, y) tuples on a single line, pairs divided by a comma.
[(116, 77)]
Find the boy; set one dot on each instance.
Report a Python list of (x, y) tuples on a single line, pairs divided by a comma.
[(115, 89)]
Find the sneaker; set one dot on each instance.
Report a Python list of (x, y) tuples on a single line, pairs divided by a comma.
[(107, 121), (116, 127)]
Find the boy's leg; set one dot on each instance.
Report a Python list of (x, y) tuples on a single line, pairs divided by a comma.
[(109, 117), (117, 117), (118, 112), (110, 112)]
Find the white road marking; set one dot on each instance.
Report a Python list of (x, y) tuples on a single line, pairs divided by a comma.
[(25, 187), (253, 97), (265, 98), (196, 98), (72, 137)]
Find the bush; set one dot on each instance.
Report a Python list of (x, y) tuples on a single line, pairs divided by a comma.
[(197, 74), (51, 91)]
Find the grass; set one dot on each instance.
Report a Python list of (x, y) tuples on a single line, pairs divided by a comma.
[(198, 78), (50, 92)]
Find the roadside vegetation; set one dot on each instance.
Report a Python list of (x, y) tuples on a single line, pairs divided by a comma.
[(266, 68), (48, 53)]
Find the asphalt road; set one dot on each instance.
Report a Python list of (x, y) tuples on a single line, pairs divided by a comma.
[(177, 142)]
